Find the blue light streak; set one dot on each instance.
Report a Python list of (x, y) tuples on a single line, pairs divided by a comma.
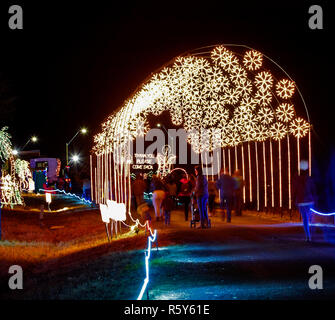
[(67, 194), (323, 214), (147, 258)]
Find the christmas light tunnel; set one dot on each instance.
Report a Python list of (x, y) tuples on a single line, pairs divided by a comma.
[(226, 100), (229, 98)]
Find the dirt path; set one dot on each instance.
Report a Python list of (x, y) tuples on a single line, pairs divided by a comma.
[(57, 276)]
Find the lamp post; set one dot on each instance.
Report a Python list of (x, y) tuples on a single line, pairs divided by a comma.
[(83, 131), (31, 139)]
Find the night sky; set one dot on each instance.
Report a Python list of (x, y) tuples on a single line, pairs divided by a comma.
[(72, 65)]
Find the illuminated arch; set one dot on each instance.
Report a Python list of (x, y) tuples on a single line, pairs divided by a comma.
[(228, 92)]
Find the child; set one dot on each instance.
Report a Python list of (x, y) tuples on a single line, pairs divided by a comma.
[(167, 205)]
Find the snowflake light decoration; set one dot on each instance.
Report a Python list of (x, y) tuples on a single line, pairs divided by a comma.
[(264, 81), (263, 98), (139, 127), (225, 58), (261, 133), (285, 112), (285, 88), (253, 60), (216, 90), (278, 131), (265, 115), (299, 127)]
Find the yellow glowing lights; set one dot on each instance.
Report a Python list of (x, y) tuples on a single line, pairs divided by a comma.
[(299, 127), (263, 98), (253, 60), (265, 115), (278, 131), (285, 112), (219, 91), (264, 81), (285, 88)]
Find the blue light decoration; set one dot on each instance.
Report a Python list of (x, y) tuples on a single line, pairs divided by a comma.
[(151, 239), (323, 214), (67, 194)]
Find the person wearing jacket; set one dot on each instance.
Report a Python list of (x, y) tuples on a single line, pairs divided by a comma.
[(167, 206), (185, 194), (158, 194), (239, 184), (304, 196), (138, 190), (211, 196), (226, 185), (201, 192)]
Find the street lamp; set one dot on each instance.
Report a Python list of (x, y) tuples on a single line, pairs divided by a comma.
[(75, 158), (15, 152), (82, 131), (31, 139)]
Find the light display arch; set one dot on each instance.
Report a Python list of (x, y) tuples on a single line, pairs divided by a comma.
[(227, 97)]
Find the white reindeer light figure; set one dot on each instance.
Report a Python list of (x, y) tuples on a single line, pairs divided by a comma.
[(112, 213)]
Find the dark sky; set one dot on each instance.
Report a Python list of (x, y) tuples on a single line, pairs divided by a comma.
[(72, 65)]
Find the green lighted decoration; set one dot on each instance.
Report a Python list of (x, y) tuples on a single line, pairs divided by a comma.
[(10, 186)]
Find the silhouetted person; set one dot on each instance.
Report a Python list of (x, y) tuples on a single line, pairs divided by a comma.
[(239, 183), (139, 187), (226, 185), (201, 192), (167, 206), (304, 195), (185, 194), (211, 196), (158, 195)]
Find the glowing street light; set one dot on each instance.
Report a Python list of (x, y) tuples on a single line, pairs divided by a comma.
[(31, 139), (15, 152), (82, 131), (75, 158)]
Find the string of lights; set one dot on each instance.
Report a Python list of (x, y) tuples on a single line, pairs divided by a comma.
[(223, 99), (67, 194), (151, 239), (322, 214)]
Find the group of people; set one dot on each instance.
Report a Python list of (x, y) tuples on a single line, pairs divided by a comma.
[(167, 192), (230, 190), (164, 194)]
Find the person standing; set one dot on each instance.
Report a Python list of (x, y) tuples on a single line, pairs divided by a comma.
[(226, 185), (185, 194), (211, 196), (138, 190), (239, 184), (172, 189), (167, 205), (158, 195), (201, 192), (304, 196)]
